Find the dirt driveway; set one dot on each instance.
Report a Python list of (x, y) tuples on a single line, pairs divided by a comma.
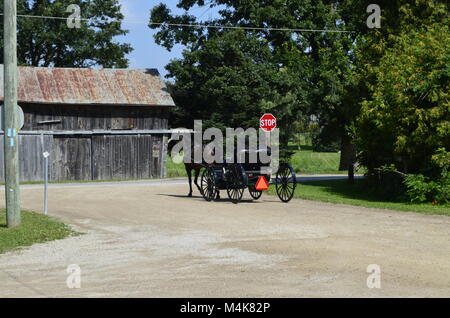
[(151, 241)]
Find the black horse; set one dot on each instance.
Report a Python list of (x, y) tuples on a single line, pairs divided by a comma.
[(192, 166)]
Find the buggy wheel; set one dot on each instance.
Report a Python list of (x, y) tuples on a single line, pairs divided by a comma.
[(255, 194), (236, 182), (286, 182), (208, 184)]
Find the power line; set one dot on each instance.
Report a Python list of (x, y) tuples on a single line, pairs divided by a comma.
[(192, 25), (247, 28)]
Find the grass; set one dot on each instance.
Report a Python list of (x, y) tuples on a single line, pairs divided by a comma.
[(306, 161), (35, 228), (341, 192), (175, 170)]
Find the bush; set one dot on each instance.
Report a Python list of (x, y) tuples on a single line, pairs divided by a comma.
[(420, 188), (387, 183)]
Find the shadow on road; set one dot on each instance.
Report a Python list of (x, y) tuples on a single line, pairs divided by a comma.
[(200, 197), (181, 196)]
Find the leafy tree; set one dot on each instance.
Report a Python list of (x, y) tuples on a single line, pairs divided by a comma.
[(400, 19), (299, 74), (397, 16), (49, 42), (407, 118), (230, 82)]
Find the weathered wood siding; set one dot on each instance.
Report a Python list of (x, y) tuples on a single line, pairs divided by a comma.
[(31, 162), (71, 158), (96, 157), (91, 157), (126, 157), (88, 117)]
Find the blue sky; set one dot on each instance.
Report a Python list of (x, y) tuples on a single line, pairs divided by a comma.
[(147, 54)]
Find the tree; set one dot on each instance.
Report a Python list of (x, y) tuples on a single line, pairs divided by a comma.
[(49, 42), (407, 118), (397, 16), (296, 77), (230, 82)]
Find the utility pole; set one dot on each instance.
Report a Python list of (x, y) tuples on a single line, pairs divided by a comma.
[(10, 127)]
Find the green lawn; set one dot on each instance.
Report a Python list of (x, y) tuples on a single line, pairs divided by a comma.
[(306, 161), (35, 228), (175, 170), (340, 191)]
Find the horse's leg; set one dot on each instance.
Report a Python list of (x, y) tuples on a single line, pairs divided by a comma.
[(197, 173), (217, 195), (189, 175)]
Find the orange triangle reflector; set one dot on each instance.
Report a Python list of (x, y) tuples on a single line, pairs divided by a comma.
[(262, 184)]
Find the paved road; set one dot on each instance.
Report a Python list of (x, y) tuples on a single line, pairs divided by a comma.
[(151, 241)]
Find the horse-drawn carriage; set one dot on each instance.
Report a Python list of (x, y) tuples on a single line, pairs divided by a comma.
[(236, 177)]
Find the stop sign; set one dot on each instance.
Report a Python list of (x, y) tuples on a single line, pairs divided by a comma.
[(268, 122)]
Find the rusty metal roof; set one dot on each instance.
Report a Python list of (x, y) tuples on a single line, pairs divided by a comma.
[(90, 86)]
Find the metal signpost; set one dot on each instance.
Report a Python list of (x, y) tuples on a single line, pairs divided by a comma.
[(268, 122), (46, 155)]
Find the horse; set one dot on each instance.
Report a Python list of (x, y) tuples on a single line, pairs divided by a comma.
[(196, 167)]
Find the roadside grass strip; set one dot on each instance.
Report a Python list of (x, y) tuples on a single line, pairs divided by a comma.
[(35, 228), (341, 192)]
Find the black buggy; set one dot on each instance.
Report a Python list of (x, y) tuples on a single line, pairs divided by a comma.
[(236, 177)]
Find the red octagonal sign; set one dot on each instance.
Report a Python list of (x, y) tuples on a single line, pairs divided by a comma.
[(268, 122)]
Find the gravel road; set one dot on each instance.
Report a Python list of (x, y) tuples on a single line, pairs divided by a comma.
[(150, 240)]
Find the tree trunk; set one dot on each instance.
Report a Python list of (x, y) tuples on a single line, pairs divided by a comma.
[(347, 154), (351, 174)]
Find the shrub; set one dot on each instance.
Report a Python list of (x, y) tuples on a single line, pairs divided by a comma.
[(387, 182), (420, 188)]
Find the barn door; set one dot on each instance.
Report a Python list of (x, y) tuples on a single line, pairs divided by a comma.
[(115, 157), (123, 157), (71, 158)]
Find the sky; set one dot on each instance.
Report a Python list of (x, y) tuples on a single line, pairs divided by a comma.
[(147, 54)]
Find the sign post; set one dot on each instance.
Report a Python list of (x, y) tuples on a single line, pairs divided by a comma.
[(268, 123), (11, 149), (46, 155)]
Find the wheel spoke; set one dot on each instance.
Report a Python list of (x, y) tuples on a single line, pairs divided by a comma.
[(284, 192)]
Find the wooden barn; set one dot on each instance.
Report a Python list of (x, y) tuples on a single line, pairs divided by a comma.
[(97, 124)]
